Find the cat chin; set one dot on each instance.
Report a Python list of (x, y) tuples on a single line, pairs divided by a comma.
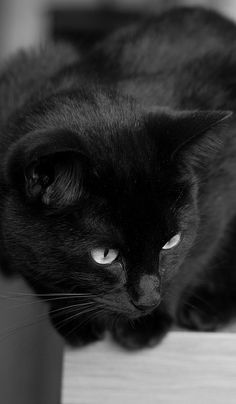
[(142, 313), (130, 314), (133, 314)]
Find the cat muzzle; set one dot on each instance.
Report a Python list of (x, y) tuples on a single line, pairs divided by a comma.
[(147, 303)]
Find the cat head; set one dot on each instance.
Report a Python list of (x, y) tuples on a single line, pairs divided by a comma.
[(101, 201)]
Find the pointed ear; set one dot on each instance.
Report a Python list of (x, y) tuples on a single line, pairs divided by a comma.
[(46, 166), (180, 130)]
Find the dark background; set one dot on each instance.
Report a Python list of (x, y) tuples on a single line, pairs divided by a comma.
[(25, 23)]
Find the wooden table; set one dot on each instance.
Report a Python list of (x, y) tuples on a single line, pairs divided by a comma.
[(187, 368)]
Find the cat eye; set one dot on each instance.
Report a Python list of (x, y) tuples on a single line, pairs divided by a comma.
[(104, 256), (173, 242)]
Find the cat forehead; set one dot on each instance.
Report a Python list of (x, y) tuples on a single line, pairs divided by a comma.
[(123, 143), (87, 107)]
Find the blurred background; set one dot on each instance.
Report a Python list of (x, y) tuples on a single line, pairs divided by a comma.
[(26, 23)]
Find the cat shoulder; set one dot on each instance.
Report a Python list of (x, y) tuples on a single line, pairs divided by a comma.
[(27, 70)]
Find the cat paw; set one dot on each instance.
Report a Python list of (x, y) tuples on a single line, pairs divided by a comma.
[(202, 310), (85, 335), (141, 333), (77, 335)]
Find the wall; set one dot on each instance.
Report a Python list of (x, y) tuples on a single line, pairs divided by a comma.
[(24, 22)]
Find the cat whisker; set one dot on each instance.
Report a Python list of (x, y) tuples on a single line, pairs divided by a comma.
[(76, 315), (205, 302), (51, 297), (48, 294), (39, 318), (77, 306), (192, 306), (29, 303), (93, 316), (132, 323), (12, 331), (117, 318), (113, 320)]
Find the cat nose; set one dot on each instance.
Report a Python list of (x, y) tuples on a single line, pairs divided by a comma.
[(149, 296), (148, 302)]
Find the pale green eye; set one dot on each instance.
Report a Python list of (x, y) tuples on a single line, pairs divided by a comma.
[(104, 255), (173, 242)]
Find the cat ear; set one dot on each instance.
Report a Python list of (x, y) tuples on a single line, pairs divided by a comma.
[(182, 129), (47, 167)]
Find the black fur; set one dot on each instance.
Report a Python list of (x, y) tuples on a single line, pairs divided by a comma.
[(123, 150)]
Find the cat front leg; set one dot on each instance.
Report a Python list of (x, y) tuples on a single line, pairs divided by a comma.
[(211, 302), (204, 308), (146, 331), (78, 330)]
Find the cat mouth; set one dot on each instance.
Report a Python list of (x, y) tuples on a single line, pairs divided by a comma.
[(128, 310)]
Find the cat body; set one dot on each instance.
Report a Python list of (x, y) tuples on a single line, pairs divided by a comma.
[(128, 152)]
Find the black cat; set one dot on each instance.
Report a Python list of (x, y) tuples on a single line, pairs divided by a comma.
[(118, 178)]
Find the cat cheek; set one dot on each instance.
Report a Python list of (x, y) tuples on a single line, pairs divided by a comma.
[(167, 264), (162, 266), (118, 272)]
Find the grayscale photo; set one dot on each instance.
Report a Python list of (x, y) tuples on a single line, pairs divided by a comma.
[(118, 202)]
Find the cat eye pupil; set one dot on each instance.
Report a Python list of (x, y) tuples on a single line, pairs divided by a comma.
[(104, 256), (106, 251)]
